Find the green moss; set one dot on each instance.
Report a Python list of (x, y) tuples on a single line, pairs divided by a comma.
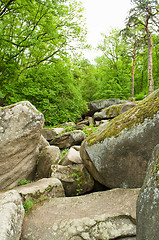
[(145, 109), (23, 182), (114, 109), (156, 171)]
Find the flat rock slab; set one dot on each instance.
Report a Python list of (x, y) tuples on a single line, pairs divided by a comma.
[(101, 215), (44, 188)]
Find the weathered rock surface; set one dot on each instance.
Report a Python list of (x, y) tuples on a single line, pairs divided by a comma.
[(75, 178), (68, 139), (71, 157), (101, 215), (48, 156), (118, 155), (44, 188), (96, 106), (20, 132), (11, 215), (148, 202), (50, 133), (113, 111), (43, 143)]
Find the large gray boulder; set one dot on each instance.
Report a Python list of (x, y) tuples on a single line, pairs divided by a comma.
[(148, 202), (11, 215), (118, 155), (20, 133), (101, 215), (68, 139)]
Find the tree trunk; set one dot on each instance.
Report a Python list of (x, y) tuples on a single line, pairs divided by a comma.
[(133, 72), (149, 60)]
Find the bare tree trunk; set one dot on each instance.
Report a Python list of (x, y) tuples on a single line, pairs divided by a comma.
[(149, 59), (133, 72)]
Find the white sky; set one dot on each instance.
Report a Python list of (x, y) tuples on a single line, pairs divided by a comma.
[(102, 16)]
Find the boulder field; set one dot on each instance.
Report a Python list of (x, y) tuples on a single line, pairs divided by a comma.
[(65, 200)]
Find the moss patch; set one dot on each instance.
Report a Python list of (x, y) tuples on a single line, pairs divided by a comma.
[(145, 109), (114, 109)]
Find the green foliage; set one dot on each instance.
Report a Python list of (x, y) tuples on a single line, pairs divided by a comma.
[(89, 130), (139, 96), (77, 176), (28, 205), (69, 128), (23, 182), (31, 203), (51, 89), (85, 76), (113, 68), (63, 152)]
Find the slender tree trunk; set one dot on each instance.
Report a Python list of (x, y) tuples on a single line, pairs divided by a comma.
[(133, 72), (149, 59), (142, 80)]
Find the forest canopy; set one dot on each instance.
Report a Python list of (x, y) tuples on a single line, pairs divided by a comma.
[(41, 61)]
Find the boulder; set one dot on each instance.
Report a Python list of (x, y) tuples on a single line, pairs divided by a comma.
[(45, 188), (48, 156), (68, 124), (43, 143), (11, 215), (20, 133), (101, 215), (68, 139), (71, 157), (75, 178), (76, 147), (118, 155), (91, 121), (148, 201), (113, 111), (96, 106), (50, 133)]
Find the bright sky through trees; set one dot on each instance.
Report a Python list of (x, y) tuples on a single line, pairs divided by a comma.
[(102, 15)]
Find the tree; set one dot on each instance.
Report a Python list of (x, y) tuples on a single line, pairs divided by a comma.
[(36, 31), (52, 90), (114, 67), (85, 77), (133, 39), (145, 13)]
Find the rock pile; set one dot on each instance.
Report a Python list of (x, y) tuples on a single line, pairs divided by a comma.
[(115, 156)]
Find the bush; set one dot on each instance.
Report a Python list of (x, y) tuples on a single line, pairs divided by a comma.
[(51, 89)]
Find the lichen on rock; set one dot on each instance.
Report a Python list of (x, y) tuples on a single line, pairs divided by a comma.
[(137, 115)]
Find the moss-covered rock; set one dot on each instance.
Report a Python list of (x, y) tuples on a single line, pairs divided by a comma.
[(98, 105), (137, 115), (113, 111), (118, 155)]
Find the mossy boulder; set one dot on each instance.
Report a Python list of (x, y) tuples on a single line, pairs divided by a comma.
[(148, 201), (98, 105), (113, 111), (118, 155)]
